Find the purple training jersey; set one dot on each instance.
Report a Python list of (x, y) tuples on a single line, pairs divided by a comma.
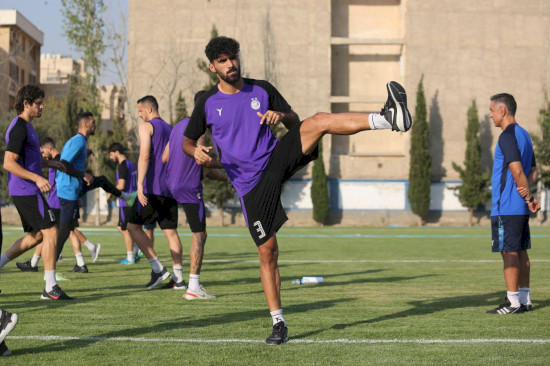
[(53, 199), (244, 146), (155, 180), (22, 139), (127, 170), (183, 173)]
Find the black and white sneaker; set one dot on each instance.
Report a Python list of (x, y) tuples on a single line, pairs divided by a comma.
[(4, 350), (157, 278), (26, 266), (504, 310), (55, 294), (395, 110), (176, 285), (524, 307), (279, 335), (7, 323), (79, 269)]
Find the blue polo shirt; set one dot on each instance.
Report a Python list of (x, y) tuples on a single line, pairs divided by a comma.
[(74, 152), (514, 144)]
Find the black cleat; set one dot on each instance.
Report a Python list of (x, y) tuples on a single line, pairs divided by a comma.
[(506, 303), (4, 350), (157, 278), (176, 285), (55, 294), (7, 323), (527, 307), (26, 266), (77, 268), (504, 310), (395, 110), (279, 334)]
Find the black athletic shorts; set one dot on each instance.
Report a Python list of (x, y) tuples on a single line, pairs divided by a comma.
[(124, 214), (35, 212), (510, 233), (163, 210), (196, 217), (262, 207), (57, 214)]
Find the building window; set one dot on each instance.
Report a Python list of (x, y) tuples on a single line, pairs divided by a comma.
[(32, 79), (23, 45), (14, 71)]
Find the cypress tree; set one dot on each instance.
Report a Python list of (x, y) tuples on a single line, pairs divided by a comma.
[(319, 189), (180, 109), (421, 160), (473, 191), (542, 144)]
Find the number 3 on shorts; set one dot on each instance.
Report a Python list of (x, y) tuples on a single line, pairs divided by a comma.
[(259, 229)]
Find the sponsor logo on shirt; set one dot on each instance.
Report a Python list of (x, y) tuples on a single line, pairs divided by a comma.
[(219, 111)]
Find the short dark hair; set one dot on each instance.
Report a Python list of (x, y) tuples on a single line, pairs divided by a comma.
[(116, 146), (221, 46), (508, 101), (149, 100), (199, 95), (82, 115), (47, 142), (28, 93)]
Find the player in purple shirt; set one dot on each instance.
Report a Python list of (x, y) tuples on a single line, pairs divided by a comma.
[(184, 177), (155, 197), (126, 178), (50, 153), (238, 112), (23, 162)]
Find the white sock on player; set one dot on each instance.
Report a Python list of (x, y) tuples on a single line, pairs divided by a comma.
[(3, 260), (130, 256), (50, 280), (80, 259), (524, 296), (156, 265), (277, 316), (514, 298), (378, 122), (178, 273), (194, 281), (35, 259), (91, 246)]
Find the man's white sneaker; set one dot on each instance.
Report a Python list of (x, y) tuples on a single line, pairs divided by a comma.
[(199, 294)]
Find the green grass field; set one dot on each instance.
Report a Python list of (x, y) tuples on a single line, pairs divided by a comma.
[(391, 296)]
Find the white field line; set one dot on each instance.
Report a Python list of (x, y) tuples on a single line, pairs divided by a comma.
[(309, 341)]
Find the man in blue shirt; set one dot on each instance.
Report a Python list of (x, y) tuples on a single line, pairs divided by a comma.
[(514, 170)]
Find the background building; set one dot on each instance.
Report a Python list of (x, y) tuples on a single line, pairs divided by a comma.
[(20, 43)]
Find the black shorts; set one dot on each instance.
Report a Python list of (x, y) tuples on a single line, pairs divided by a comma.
[(124, 214), (195, 216), (163, 210), (262, 207), (150, 226), (510, 233), (35, 212)]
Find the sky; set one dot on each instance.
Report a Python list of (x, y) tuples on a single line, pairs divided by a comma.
[(46, 15)]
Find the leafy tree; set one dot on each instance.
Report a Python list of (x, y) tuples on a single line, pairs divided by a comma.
[(542, 144), (181, 109), (319, 189), (421, 160), (473, 192)]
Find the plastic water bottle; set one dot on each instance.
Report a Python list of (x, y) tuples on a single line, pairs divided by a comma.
[(306, 280)]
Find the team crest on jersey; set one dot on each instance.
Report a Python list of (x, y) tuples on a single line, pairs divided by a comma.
[(255, 104)]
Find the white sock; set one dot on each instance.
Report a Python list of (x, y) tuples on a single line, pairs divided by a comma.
[(3, 260), (194, 281), (34, 260), (50, 280), (91, 246), (156, 265), (80, 259), (514, 298), (524, 296), (178, 273), (136, 248), (378, 122), (277, 316), (130, 256)]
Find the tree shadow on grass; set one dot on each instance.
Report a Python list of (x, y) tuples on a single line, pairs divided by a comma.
[(175, 324), (426, 307)]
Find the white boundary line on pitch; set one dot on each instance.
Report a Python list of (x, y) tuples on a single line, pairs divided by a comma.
[(309, 341)]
